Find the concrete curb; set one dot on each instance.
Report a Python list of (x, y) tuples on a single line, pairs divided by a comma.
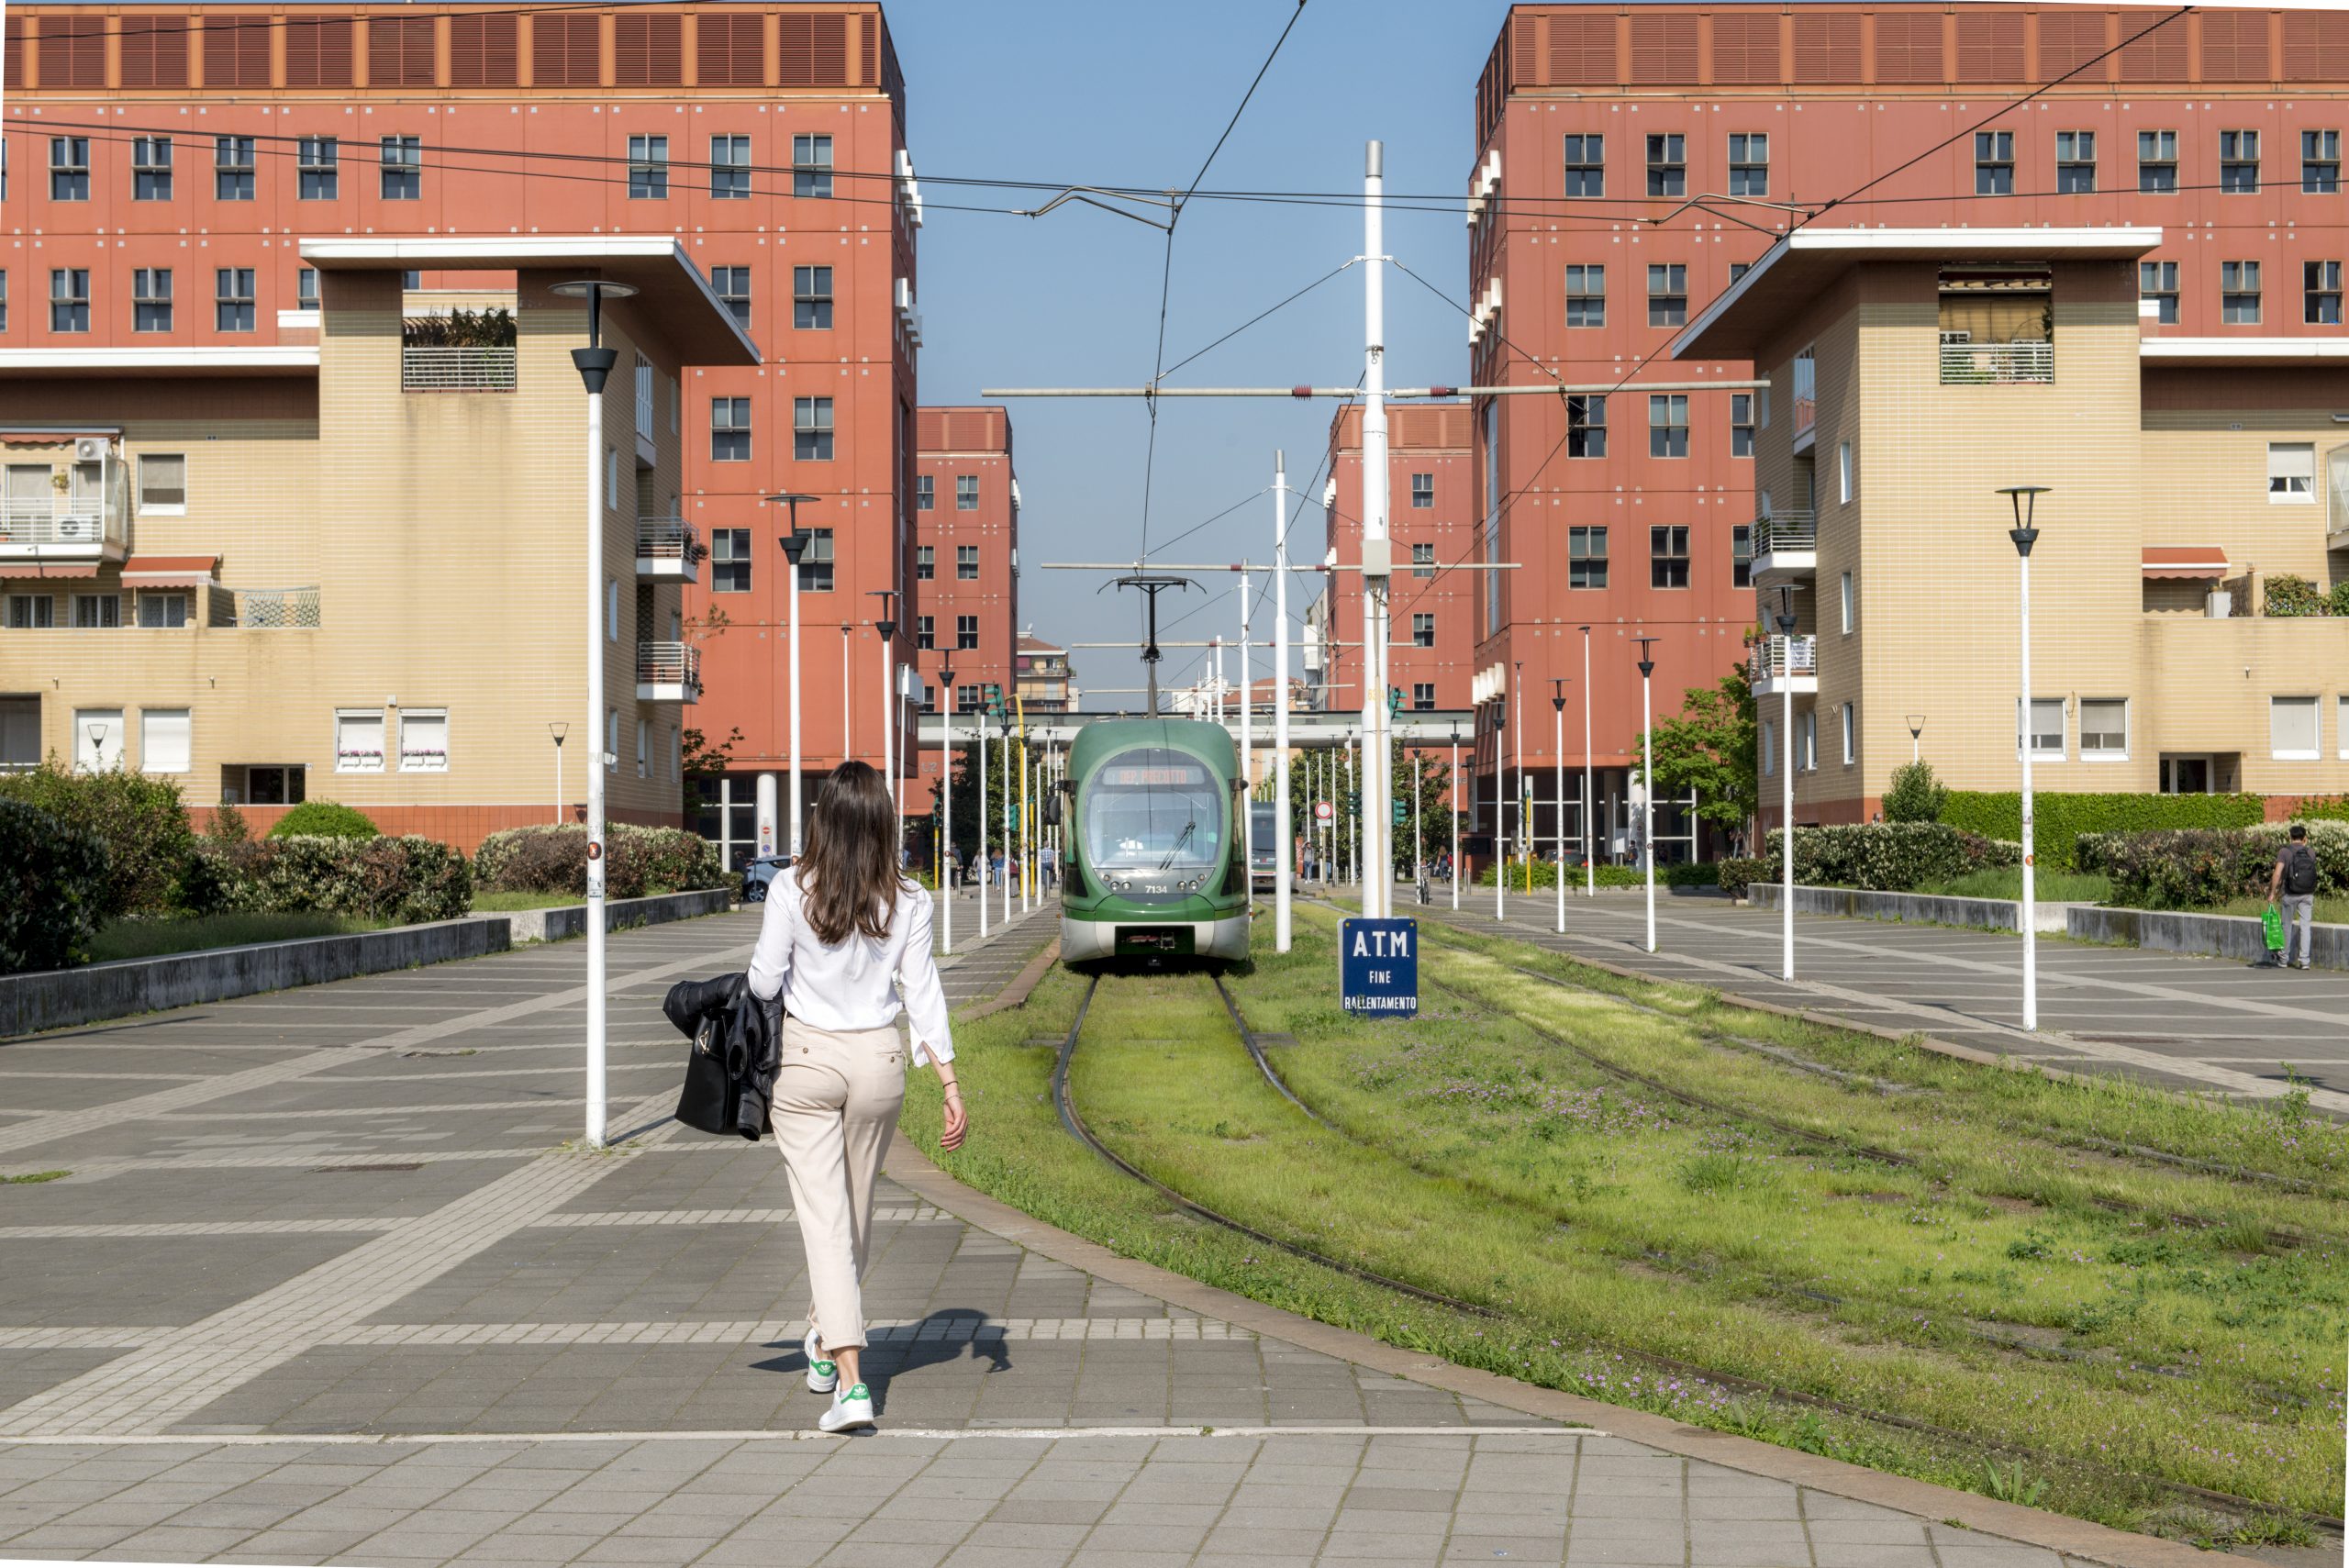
[(2218, 936), (2031, 1527), (1939, 909), (566, 920), (60, 998)]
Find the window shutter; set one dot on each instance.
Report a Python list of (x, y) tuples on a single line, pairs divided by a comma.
[(1663, 48), (2069, 40), (731, 51), (12, 54), (236, 50), (482, 51), (1909, 47), (74, 50), (871, 73), (1582, 51), (2291, 726), (1746, 47), (2316, 46), (154, 51), (163, 737), (400, 51), (317, 51), (1827, 46), (1989, 46), (2235, 46), (648, 50), (566, 51), (2160, 55)]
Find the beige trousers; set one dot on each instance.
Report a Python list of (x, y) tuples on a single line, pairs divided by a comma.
[(836, 1101)]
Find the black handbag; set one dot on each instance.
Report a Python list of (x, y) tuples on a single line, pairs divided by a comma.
[(712, 1100)]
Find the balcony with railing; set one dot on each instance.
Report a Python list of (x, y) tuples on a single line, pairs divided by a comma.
[(62, 526), (1786, 664), (668, 672), (457, 370), (1785, 545), (668, 550), (266, 609), (2027, 361)]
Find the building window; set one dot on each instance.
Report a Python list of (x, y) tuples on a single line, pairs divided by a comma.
[(2046, 728), (1423, 696), (2291, 728), (150, 299), (151, 169), (97, 739), (966, 699), (306, 288), (647, 168), (729, 429), (966, 492), (1668, 424), (611, 739), (162, 482), (359, 741), (1741, 424), (1585, 166), (1994, 162), (234, 305), (1848, 600), (811, 298), (729, 561), (925, 494), (318, 163), (966, 633), (811, 165), (1586, 558), (2239, 161), (1668, 557), (811, 430), (1847, 474), (1749, 163), (97, 612), (1423, 560), (3, 292), (69, 299), (1738, 270), (2291, 472), (925, 633), (410, 280), (611, 609), (732, 286), (1423, 491), (233, 168), (424, 740), (2075, 162), (31, 612), (966, 562), (643, 749), (1768, 749), (1586, 426), (2104, 728), (1586, 296), (729, 168), (2157, 282), (1667, 295), (2321, 305), (1741, 555), (1423, 632), (1667, 165), (2238, 293), (1851, 735), (2157, 161), (816, 566), (2321, 161), (925, 563), (1807, 743), (162, 612), (403, 171), (68, 168)]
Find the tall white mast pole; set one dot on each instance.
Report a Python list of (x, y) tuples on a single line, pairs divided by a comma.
[(1247, 750), (1377, 831), (1287, 832)]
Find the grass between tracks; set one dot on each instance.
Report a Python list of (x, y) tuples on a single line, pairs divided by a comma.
[(2028, 1283)]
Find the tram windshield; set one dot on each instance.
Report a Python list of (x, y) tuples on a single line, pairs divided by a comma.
[(1152, 809)]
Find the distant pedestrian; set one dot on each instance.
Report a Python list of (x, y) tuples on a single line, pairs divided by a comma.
[(995, 867), (2292, 887), (1048, 866)]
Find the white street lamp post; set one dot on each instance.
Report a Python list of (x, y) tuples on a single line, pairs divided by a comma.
[(795, 548), (986, 859), (1011, 810), (1787, 812), (887, 627), (558, 728), (1589, 845), (1452, 797), (1500, 810), (2024, 499), (1558, 722), (946, 790), (1916, 737), (1647, 780), (1286, 817)]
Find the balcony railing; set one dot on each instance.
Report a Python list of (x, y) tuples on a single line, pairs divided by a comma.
[(1776, 657), (1982, 362), (668, 548), (1787, 533), (668, 672), (270, 609), (457, 370), (59, 524)]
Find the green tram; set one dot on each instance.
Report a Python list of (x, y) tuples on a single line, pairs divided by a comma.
[(1153, 866)]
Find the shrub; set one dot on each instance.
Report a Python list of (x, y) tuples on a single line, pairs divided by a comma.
[(54, 884), (1915, 794), (2289, 595), (1887, 857), (139, 820), (552, 857), (2333, 810), (2061, 817), (2198, 868), (402, 880), (1685, 874), (229, 825), (324, 819), (1740, 872)]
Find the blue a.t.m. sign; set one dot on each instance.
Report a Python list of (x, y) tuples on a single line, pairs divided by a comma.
[(1378, 966)]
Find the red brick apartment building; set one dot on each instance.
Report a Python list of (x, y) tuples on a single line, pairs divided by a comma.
[(191, 149), (1431, 521), (1598, 125), (966, 560)]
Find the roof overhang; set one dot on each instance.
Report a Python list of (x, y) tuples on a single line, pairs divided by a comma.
[(2185, 561), (1804, 264), (170, 571), (693, 321), (161, 359), (2277, 352)]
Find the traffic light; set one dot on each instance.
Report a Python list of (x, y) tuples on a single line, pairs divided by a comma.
[(1393, 705)]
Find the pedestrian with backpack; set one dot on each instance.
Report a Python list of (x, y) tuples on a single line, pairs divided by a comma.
[(2291, 886)]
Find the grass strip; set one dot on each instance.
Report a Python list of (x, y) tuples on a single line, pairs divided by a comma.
[(134, 937)]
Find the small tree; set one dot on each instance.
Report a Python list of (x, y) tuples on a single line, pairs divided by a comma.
[(1709, 747), (1915, 796), (698, 758)]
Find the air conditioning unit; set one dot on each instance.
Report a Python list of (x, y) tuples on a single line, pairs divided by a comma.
[(77, 530), (90, 449)]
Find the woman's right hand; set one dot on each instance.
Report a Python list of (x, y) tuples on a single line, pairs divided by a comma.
[(954, 1123)]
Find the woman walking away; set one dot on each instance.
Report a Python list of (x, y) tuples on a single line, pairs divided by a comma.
[(845, 943)]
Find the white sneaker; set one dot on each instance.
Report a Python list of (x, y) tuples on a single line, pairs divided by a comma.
[(823, 1376), (851, 1407)]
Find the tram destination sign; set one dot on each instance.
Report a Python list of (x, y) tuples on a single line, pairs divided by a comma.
[(1378, 967)]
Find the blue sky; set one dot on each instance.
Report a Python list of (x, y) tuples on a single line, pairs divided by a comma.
[(1129, 94)]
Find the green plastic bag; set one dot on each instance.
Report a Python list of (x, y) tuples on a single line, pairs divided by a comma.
[(2271, 922)]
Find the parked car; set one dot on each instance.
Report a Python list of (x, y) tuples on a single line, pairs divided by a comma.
[(757, 872)]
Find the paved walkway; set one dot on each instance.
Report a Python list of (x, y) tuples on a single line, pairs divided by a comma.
[(324, 1285), (2198, 1023)]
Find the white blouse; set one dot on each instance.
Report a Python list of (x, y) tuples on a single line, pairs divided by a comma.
[(859, 983)]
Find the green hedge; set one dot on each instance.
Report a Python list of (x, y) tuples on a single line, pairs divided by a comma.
[(54, 887), (402, 880), (324, 819), (552, 857), (2059, 819), (2198, 868), (1886, 857), (2313, 810), (139, 819)]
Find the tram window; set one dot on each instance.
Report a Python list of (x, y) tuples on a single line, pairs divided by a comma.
[(1152, 809)]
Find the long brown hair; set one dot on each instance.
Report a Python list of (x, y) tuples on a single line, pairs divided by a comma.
[(849, 874)]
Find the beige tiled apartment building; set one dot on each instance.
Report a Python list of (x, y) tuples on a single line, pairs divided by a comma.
[(1916, 374), (355, 568)]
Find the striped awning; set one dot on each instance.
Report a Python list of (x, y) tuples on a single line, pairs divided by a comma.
[(2185, 561), (169, 571), (15, 567)]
